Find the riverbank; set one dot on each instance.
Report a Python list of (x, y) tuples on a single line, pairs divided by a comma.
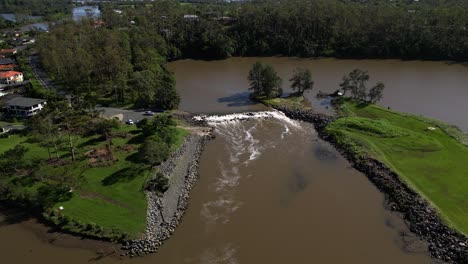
[(165, 211), (445, 243)]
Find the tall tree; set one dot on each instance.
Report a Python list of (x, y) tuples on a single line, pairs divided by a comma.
[(356, 82), (264, 81), (376, 92), (301, 80), (256, 78)]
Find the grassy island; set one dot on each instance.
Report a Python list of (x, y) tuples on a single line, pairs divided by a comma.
[(427, 154)]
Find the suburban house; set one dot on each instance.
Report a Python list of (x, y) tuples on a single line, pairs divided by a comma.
[(11, 77), (6, 61), (25, 106), (8, 52), (8, 67)]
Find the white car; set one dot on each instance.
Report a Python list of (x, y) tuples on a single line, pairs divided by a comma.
[(149, 113), (130, 122)]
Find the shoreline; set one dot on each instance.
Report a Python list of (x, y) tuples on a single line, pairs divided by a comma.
[(165, 212), (445, 243)]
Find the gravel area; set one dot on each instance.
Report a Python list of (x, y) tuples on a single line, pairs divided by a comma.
[(164, 213)]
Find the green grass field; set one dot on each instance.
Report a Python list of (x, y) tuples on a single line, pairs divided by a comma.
[(293, 101), (111, 197), (433, 162)]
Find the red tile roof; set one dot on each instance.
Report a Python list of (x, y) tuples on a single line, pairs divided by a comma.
[(8, 67), (7, 51), (8, 74)]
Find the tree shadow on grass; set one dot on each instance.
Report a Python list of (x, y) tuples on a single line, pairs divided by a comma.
[(91, 142), (139, 139), (123, 175), (134, 132), (134, 158), (362, 104), (236, 100)]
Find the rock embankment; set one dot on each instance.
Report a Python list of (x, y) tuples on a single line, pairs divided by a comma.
[(445, 243), (164, 213)]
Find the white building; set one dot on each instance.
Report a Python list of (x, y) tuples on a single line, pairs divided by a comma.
[(11, 77), (25, 106)]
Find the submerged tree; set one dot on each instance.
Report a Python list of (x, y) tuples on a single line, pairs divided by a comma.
[(376, 92), (356, 82), (301, 80), (264, 81)]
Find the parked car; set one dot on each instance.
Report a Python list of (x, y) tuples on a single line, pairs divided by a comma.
[(130, 122), (149, 113)]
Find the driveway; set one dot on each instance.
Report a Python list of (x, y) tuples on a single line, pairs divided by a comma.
[(122, 114)]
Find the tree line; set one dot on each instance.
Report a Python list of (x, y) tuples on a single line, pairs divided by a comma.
[(124, 60), (102, 65), (373, 29), (36, 7), (266, 84)]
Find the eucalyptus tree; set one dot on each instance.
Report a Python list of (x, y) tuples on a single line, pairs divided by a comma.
[(302, 80)]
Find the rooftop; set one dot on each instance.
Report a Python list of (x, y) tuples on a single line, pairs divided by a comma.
[(7, 51), (7, 66), (6, 61), (9, 74), (25, 101)]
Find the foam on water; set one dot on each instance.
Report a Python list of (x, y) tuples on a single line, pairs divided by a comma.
[(216, 119), (242, 148), (225, 254)]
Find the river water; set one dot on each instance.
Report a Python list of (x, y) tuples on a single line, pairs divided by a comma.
[(434, 89), (270, 190)]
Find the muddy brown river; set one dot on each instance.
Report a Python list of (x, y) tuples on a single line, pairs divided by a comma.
[(270, 190), (433, 89)]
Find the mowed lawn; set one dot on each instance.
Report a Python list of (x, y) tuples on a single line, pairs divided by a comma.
[(111, 197), (431, 161)]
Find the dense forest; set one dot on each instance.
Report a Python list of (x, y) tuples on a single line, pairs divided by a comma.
[(35, 7), (330, 28), (101, 65), (123, 56), (308, 28)]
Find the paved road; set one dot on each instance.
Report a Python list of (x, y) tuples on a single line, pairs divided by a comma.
[(123, 114), (40, 74)]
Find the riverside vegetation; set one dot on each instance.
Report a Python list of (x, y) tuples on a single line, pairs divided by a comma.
[(421, 151), (94, 168), (396, 150), (426, 153), (95, 171)]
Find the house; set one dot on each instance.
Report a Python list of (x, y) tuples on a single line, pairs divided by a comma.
[(11, 77), (8, 52), (8, 67), (6, 61), (25, 106)]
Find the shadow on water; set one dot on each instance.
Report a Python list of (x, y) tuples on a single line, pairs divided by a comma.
[(324, 153), (457, 63), (10, 215), (295, 185), (237, 100)]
